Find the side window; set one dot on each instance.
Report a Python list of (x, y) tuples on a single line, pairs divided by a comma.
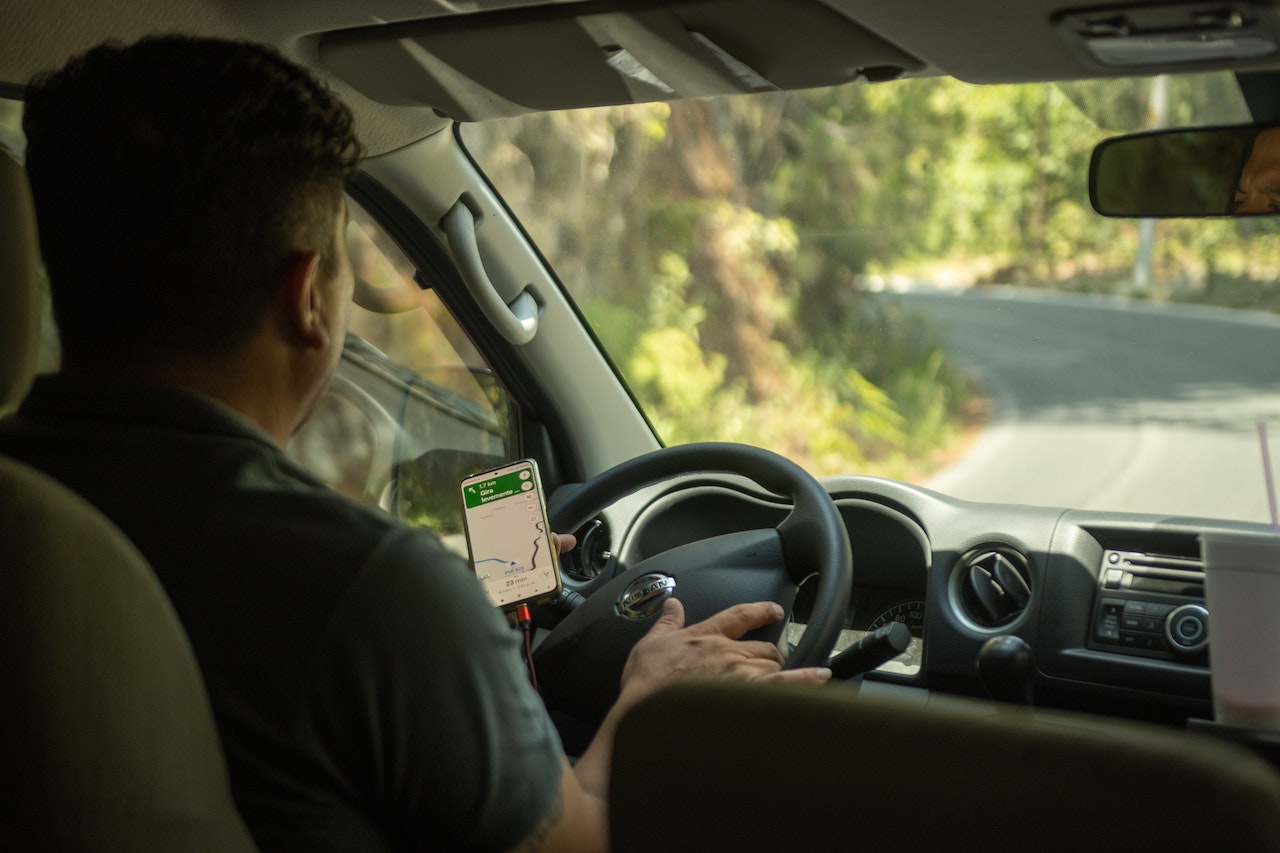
[(413, 407), (12, 139)]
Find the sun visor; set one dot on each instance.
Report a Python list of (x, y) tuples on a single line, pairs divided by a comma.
[(491, 65)]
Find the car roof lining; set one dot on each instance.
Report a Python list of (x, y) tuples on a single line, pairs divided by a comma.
[(500, 70)]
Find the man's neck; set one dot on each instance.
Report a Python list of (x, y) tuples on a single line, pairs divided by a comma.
[(246, 382)]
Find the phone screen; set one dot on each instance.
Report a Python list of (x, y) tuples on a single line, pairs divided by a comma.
[(505, 518)]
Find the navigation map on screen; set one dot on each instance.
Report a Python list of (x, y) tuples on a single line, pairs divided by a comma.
[(507, 532)]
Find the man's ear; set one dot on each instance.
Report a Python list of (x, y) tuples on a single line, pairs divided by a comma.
[(304, 309)]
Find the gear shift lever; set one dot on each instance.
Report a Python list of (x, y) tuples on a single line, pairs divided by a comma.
[(1004, 665)]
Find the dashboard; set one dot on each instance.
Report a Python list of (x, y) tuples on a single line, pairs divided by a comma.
[(1110, 605)]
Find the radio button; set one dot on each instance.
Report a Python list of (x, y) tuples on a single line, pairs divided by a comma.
[(1108, 630), (1131, 623), (1187, 628)]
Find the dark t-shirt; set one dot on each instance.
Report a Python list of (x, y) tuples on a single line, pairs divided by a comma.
[(367, 694)]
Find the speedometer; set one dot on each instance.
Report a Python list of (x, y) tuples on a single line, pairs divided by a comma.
[(909, 613)]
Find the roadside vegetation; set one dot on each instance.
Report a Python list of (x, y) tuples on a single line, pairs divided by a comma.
[(729, 253)]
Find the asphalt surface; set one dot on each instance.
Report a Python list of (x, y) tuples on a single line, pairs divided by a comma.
[(1105, 404)]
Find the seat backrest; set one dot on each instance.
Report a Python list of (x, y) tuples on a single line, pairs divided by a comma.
[(107, 739), (105, 728), (19, 284), (745, 768)]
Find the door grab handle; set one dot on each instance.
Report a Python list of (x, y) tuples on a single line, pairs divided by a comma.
[(517, 320)]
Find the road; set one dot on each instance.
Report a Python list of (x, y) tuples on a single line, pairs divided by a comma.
[(1104, 404)]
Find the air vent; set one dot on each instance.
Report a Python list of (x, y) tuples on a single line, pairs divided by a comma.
[(594, 550), (994, 586)]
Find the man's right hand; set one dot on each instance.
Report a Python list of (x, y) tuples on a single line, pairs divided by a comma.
[(709, 649), (670, 652)]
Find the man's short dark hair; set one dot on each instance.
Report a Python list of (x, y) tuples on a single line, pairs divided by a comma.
[(174, 179)]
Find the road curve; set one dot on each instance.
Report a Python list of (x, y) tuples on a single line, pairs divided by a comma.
[(1107, 404)]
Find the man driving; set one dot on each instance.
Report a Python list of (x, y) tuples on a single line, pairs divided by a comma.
[(189, 194), (1258, 189)]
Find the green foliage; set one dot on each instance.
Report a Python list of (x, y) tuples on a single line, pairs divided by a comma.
[(723, 249), (11, 125)]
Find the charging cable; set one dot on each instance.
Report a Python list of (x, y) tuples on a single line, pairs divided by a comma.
[(525, 620)]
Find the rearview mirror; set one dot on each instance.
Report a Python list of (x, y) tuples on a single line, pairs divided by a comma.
[(1222, 171)]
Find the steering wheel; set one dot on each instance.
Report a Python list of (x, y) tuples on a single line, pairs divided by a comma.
[(580, 662)]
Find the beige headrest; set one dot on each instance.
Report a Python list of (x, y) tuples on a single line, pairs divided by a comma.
[(19, 284)]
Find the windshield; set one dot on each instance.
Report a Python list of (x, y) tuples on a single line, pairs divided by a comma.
[(907, 280)]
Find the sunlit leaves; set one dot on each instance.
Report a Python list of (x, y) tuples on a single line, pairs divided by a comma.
[(741, 315)]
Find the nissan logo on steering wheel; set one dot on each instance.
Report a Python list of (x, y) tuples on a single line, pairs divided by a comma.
[(645, 595)]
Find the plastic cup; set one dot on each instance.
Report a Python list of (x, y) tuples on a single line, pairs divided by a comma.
[(1242, 594)]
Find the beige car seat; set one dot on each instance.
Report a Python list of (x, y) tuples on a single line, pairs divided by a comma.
[(107, 740), (746, 768)]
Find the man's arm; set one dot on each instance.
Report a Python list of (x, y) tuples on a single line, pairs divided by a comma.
[(671, 652), (578, 821)]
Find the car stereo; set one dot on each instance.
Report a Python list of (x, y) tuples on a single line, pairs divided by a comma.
[(1151, 606)]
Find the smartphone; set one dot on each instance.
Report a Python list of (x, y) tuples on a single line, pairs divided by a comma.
[(505, 518)]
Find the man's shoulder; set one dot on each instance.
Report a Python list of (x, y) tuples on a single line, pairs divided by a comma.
[(204, 495)]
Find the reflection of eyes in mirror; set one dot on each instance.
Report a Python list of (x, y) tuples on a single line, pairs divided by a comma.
[(1258, 190)]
